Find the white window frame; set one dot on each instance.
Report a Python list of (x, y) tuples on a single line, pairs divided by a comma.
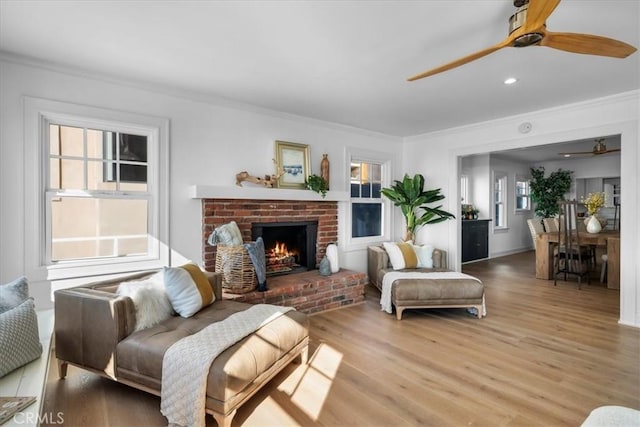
[(38, 114), (464, 190), (503, 177), (522, 178), (357, 243)]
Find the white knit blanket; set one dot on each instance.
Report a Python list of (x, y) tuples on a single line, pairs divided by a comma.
[(392, 276), (186, 363)]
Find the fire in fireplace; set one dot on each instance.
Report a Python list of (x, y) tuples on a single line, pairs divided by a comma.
[(280, 259), (290, 247)]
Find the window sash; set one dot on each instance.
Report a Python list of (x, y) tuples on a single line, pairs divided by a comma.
[(150, 252), (522, 195), (38, 114), (500, 205), (385, 161), (365, 185)]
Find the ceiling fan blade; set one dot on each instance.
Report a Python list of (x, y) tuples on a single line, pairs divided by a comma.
[(538, 12), (611, 150), (576, 152), (587, 44), (462, 61)]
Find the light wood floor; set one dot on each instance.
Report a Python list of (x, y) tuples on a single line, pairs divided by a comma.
[(544, 356)]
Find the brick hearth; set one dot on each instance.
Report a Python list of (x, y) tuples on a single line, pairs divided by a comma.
[(309, 292)]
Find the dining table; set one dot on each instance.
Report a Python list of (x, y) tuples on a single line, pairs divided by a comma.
[(609, 239)]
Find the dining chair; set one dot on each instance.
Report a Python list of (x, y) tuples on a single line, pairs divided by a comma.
[(605, 258), (550, 224), (535, 227), (570, 258)]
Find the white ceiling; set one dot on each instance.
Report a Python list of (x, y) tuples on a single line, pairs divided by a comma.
[(340, 61), (551, 152)]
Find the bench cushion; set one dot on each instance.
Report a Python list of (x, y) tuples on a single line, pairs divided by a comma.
[(139, 356), (436, 291)]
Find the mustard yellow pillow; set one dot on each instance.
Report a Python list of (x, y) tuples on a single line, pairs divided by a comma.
[(401, 255), (188, 289)]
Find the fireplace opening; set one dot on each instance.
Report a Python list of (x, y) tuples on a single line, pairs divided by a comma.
[(290, 247)]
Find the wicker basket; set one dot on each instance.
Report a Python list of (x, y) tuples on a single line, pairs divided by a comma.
[(238, 274)]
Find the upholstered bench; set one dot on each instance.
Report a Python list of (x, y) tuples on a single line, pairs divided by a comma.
[(440, 288)]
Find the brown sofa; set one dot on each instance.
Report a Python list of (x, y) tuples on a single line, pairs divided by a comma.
[(422, 292), (93, 330)]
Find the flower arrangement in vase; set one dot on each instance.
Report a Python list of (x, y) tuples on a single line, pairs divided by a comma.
[(593, 203)]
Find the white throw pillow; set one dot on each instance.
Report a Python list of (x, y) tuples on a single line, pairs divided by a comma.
[(401, 255), (150, 299), (188, 289), (425, 255)]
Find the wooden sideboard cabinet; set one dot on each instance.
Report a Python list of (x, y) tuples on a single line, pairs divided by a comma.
[(475, 239)]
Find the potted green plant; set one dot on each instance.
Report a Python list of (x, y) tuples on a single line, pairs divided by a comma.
[(318, 184), (409, 195), (546, 192)]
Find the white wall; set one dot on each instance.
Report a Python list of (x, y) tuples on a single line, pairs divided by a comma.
[(605, 166), (516, 237), (478, 169), (437, 155), (210, 141)]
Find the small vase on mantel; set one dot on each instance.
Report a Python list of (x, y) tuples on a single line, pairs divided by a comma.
[(324, 169), (593, 225)]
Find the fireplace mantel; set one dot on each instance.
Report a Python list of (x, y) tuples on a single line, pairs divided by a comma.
[(260, 193)]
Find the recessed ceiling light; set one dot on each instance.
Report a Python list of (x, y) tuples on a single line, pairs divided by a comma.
[(567, 155), (510, 81)]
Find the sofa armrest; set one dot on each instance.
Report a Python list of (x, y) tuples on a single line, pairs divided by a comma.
[(440, 259), (215, 279), (377, 260), (89, 324)]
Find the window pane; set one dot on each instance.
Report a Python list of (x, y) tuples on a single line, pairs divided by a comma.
[(90, 228), (375, 190), (355, 190), (71, 141), (133, 173), (366, 189), (54, 140), (95, 143), (521, 203), (54, 173), (72, 174), (375, 172), (355, 172), (133, 148), (98, 178), (366, 219), (133, 186)]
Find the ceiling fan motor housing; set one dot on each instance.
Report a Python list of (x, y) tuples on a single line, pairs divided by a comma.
[(516, 21)]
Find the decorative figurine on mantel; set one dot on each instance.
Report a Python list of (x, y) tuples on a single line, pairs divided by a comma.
[(268, 181), (324, 169)]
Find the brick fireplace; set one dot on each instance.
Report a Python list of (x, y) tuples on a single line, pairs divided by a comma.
[(307, 291), (245, 213)]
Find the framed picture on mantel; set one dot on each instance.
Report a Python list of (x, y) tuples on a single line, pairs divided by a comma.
[(293, 158)]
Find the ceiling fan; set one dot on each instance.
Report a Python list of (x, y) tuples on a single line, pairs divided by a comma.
[(527, 27), (598, 149)]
